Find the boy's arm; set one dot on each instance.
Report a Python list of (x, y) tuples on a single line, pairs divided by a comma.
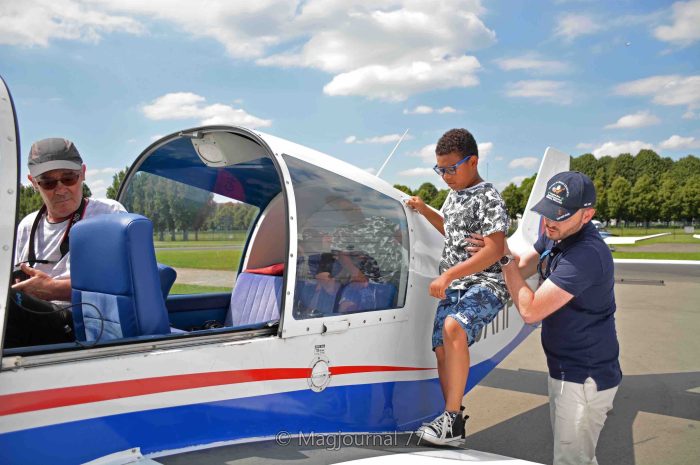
[(487, 256), (433, 217)]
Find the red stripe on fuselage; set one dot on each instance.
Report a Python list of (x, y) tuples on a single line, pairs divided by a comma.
[(75, 395)]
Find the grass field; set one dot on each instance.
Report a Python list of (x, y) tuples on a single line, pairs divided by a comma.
[(672, 239), (211, 244), (659, 255), (205, 238), (225, 259), (194, 289), (675, 232)]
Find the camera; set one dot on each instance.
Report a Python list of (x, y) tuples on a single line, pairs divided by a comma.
[(18, 274)]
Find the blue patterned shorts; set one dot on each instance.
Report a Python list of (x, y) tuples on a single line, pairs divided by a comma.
[(473, 309)]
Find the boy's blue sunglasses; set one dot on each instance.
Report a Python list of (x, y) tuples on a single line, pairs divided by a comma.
[(450, 169)]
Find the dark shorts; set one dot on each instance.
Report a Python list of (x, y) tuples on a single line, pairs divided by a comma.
[(473, 309)]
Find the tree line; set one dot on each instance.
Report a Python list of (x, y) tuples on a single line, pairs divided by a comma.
[(172, 207), (641, 188)]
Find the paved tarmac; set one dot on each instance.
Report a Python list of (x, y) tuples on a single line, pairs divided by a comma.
[(656, 415)]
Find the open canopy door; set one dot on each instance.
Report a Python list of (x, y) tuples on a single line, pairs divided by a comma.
[(9, 185)]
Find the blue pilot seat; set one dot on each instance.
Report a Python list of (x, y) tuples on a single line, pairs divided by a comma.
[(113, 267)]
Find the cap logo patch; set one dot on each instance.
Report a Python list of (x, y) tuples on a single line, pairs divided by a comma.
[(557, 192)]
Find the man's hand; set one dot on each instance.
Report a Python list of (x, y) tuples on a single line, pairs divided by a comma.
[(474, 243), (43, 286), (416, 204), (439, 286)]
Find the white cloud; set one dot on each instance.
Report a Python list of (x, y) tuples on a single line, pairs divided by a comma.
[(573, 25), (426, 110), (365, 46), (389, 138), (517, 180), (417, 172), (156, 137), (665, 89), (584, 146), (186, 105), (427, 153), (397, 83), (485, 149), (533, 63), (635, 120), (676, 142), (98, 171), (525, 162), (615, 148), (684, 30), (548, 91), (38, 22)]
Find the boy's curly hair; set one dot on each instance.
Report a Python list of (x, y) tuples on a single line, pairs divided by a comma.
[(457, 140)]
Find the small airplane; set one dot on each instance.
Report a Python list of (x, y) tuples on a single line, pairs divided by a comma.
[(283, 356)]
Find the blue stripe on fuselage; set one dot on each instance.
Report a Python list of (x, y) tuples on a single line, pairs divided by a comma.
[(356, 408)]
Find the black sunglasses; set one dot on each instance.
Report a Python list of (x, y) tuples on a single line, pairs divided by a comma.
[(545, 269), (68, 179)]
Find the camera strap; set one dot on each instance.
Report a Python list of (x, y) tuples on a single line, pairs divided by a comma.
[(65, 246)]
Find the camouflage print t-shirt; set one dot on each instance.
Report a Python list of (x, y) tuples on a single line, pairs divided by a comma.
[(477, 209)]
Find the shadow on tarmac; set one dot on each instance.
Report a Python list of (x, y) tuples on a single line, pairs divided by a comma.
[(529, 436)]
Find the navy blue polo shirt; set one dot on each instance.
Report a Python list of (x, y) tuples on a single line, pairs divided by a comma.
[(580, 339)]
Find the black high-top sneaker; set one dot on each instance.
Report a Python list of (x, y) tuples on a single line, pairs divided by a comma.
[(447, 428)]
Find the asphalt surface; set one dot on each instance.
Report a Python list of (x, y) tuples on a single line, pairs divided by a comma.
[(656, 414)]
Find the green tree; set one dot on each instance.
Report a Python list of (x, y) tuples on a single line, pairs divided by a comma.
[(690, 198), (648, 162), (117, 180), (601, 203), (404, 189), (29, 201), (427, 191), (624, 167), (439, 199), (670, 200), (644, 200), (587, 164), (525, 190), (618, 197), (513, 199), (684, 168), (86, 190), (604, 171)]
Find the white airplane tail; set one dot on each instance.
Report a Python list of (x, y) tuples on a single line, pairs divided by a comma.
[(553, 162)]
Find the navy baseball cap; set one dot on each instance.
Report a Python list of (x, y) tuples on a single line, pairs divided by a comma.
[(566, 194), (53, 154)]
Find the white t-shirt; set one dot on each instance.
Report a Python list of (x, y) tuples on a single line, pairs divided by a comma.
[(48, 237)]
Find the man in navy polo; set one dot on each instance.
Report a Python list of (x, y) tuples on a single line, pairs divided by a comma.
[(576, 305)]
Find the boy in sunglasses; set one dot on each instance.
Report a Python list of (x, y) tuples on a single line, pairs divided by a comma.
[(470, 288), (576, 305), (57, 172)]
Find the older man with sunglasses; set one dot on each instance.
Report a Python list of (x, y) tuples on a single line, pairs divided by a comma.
[(576, 305), (57, 172)]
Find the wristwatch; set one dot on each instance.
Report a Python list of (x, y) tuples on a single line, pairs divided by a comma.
[(506, 259)]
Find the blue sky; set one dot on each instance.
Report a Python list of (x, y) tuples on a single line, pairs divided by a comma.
[(347, 78)]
